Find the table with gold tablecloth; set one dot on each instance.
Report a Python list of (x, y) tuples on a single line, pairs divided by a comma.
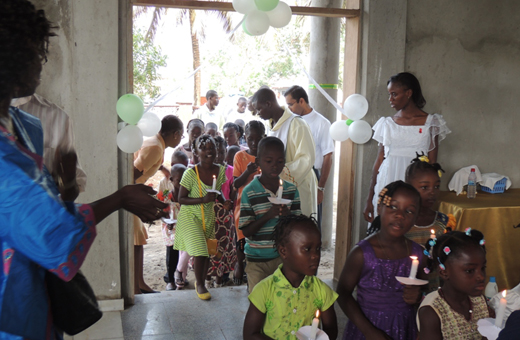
[(497, 216)]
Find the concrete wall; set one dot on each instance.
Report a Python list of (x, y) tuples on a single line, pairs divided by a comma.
[(465, 55), (82, 77)]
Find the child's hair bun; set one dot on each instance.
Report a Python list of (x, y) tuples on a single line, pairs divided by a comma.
[(421, 164), (450, 244)]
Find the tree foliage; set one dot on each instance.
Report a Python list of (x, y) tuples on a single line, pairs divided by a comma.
[(147, 60), (251, 62)]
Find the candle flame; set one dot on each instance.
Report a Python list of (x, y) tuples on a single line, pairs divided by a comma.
[(504, 293), (317, 314), (433, 231), (214, 176), (413, 257), (281, 182)]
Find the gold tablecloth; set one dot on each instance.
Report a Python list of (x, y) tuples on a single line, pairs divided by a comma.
[(497, 216)]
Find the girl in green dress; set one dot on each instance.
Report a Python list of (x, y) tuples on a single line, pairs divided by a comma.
[(196, 219)]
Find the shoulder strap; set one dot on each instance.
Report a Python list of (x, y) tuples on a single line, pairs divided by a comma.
[(202, 205)]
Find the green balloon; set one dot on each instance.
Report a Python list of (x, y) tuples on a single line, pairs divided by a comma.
[(349, 121), (244, 26), (130, 108), (266, 5)]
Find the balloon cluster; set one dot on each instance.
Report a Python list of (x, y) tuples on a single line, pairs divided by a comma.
[(359, 131), (260, 14), (130, 108)]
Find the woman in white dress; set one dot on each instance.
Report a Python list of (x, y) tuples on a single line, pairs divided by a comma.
[(400, 136)]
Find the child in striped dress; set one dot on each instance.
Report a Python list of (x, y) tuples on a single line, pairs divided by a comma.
[(196, 219)]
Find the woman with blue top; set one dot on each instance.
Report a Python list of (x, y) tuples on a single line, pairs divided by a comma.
[(40, 233)]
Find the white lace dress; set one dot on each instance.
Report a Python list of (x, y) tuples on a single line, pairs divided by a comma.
[(401, 143)]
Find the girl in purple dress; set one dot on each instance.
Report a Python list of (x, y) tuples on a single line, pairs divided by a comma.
[(384, 308)]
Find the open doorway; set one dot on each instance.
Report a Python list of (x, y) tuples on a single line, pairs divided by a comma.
[(184, 105)]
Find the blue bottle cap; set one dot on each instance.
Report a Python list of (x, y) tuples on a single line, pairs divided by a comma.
[(492, 279)]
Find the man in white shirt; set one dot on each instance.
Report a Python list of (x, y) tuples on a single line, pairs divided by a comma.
[(298, 102), (240, 113), (299, 146), (58, 135), (208, 113)]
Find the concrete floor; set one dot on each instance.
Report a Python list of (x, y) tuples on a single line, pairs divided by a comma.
[(181, 315)]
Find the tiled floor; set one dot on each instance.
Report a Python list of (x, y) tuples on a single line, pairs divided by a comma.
[(180, 315)]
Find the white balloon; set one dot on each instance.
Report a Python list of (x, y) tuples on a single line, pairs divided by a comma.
[(244, 6), (130, 139), (280, 16), (257, 22), (355, 106), (150, 124), (339, 130), (360, 131)]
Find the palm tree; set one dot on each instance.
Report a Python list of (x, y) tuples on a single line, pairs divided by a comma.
[(197, 29)]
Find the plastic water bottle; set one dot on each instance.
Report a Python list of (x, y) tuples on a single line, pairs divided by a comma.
[(472, 184), (491, 288)]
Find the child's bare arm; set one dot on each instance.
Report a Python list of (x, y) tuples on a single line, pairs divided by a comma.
[(348, 280), (430, 324), (242, 179), (253, 324), (184, 199), (330, 323)]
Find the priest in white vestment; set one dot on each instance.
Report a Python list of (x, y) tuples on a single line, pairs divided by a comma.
[(299, 146)]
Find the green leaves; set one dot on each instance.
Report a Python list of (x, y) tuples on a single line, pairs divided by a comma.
[(147, 60)]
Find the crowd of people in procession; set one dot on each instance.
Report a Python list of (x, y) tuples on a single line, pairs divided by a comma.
[(252, 181)]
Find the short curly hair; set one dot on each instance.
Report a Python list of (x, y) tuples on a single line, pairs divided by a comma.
[(24, 41)]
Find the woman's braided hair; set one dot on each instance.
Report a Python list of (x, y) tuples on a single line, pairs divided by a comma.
[(450, 245), (385, 196)]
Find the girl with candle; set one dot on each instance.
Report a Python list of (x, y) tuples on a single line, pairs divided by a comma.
[(430, 224), (426, 178), (196, 219), (384, 308), (288, 299), (195, 128), (452, 312)]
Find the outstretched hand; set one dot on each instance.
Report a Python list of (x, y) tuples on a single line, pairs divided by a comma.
[(138, 199)]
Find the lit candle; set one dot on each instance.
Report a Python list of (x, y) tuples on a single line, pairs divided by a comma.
[(314, 327), (432, 236), (501, 310), (415, 265), (280, 190), (214, 182)]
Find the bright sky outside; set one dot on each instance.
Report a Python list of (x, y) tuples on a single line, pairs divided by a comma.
[(175, 42)]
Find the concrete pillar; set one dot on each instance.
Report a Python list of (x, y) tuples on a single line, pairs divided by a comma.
[(324, 68)]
